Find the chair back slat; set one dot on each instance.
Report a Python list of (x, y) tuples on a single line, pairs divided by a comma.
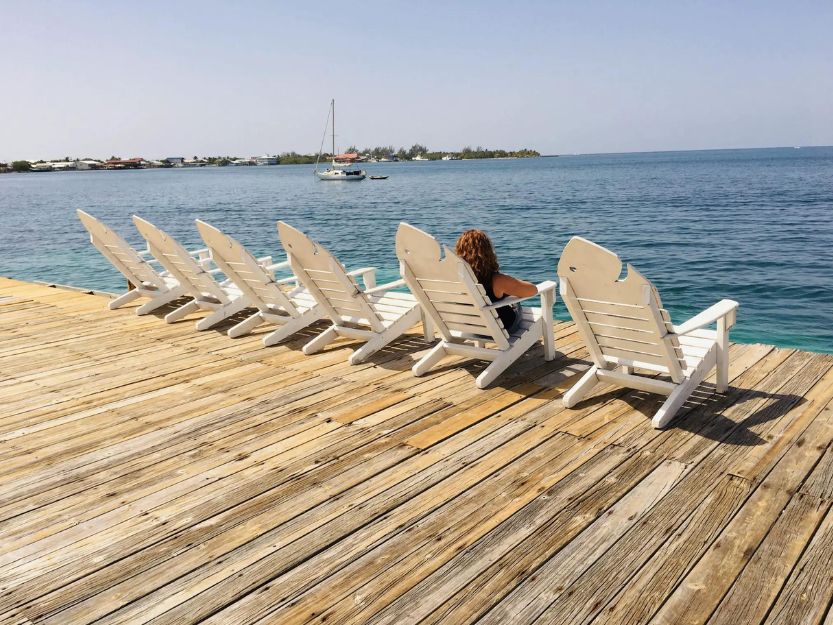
[(238, 264), (176, 259), (619, 319), (326, 279), (120, 254), (446, 288)]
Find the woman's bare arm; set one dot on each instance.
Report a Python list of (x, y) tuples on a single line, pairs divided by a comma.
[(503, 285)]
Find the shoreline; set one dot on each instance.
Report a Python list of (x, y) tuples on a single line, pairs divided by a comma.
[(541, 155)]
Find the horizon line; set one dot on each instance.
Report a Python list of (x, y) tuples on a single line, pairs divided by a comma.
[(768, 147)]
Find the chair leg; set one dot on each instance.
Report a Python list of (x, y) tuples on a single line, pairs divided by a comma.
[(427, 328), (581, 388), (502, 362), (321, 341), (368, 349), (547, 330), (245, 326), (160, 300), (391, 333), (722, 369), (674, 402), (289, 328), (548, 338), (224, 312), (124, 298), (182, 311), (430, 360), (678, 396)]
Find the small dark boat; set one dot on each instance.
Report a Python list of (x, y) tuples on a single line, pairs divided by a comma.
[(378, 177)]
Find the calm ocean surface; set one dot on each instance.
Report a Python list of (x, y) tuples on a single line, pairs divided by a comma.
[(752, 225)]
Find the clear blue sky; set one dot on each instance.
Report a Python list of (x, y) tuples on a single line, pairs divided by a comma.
[(169, 78)]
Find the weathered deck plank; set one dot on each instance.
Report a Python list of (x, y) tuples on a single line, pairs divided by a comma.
[(153, 474)]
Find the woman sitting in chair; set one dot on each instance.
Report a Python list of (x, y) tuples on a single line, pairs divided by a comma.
[(475, 247)]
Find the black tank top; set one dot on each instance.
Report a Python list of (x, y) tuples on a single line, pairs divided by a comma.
[(507, 314)]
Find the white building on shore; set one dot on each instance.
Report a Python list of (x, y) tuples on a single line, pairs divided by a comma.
[(63, 165)]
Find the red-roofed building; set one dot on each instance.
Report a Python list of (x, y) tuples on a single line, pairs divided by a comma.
[(127, 163)]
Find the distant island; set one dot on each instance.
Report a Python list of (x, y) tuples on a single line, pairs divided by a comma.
[(379, 154)]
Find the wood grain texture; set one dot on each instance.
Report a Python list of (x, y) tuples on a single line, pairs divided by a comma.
[(153, 474)]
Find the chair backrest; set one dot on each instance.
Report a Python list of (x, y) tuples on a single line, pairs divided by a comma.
[(622, 321), (181, 265), (120, 254), (446, 288), (326, 279), (237, 263)]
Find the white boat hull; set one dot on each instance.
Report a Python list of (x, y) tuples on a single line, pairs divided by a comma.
[(341, 174)]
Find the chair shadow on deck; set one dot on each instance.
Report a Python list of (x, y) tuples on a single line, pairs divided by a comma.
[(389, 357), (400, 354), (295, 342), (702, 413), (529, 369)]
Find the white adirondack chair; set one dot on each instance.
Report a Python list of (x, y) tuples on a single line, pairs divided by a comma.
[(160, 287), (466, 319), (375, 314), (293, 310), (223, 299), (626, 327)]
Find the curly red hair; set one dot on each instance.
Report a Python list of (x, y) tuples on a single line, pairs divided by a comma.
[(475, 247)]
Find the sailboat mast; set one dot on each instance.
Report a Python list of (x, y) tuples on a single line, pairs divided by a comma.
[(333, 105)]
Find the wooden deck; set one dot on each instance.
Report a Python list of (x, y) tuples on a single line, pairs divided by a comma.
[(153, 474)]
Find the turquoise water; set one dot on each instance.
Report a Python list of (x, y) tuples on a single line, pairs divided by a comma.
[(753, 225)]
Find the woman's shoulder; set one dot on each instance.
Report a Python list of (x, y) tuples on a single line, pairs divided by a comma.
[(500, 278), (504, 284), (499, 282)]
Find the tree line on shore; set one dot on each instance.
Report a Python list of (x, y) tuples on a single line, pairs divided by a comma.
[(417, 150)]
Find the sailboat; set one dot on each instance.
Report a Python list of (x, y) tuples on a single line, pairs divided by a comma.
[(338, 171)]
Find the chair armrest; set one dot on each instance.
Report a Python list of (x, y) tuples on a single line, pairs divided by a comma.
[(273, 266), (542, 288), (287, 280), (203, 252), (724, 309), (146, 256), (385, 287), (368, 275)]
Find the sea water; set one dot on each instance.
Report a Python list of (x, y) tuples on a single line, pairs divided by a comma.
[(752, 225)]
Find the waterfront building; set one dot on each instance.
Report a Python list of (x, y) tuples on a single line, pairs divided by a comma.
[(136, 162), (63, 165), (266, 160)]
